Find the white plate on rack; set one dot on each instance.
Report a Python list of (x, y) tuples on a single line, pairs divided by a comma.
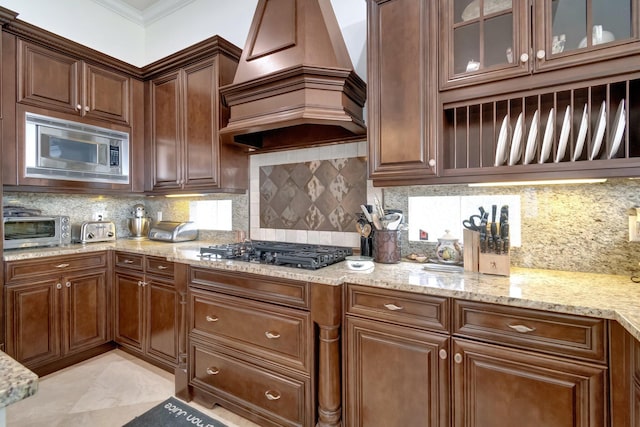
[(564, 135), (530, 149), (601, 124), (548, 138), (582, 134), (516, 142), (618, 125), (501, 148)]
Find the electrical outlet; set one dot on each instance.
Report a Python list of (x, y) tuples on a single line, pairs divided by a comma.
[(634, 228), (159, 216)]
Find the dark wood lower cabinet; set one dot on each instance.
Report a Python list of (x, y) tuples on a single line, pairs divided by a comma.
[(149, 305), (395, 375), (495, 386), (51, 318)]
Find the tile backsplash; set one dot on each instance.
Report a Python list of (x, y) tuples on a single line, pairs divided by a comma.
[(567, 227)]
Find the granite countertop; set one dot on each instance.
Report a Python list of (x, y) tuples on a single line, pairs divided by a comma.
[(16, 381), (597, 295)]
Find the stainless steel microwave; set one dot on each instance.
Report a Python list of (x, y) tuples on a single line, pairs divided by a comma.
[(62, 149), (34, 231)]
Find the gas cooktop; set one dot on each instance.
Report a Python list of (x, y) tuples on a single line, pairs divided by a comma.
[(297, 255)]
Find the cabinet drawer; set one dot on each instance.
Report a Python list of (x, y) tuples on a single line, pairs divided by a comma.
[(406, 308), (278, 397), (253, 286), (53, 266), (129, 260), (272, 332), (562, 334), (159, 266)]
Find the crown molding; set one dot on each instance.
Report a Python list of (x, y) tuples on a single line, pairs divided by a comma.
[(156, 11)]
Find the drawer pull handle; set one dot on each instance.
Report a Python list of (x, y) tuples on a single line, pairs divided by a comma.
[(272, 335), (213, 371), (521, 328), (128, 261), (211, 318), (272, 395), (162, 267), (65, 265), (393, 307)]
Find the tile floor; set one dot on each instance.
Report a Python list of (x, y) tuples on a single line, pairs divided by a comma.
[(106, 391)]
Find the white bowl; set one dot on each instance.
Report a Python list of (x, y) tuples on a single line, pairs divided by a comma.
[(359, 263)]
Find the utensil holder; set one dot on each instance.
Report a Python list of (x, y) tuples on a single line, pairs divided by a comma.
[(386, 246)]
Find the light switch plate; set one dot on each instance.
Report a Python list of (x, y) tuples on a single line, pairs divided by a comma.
[(634, 228)]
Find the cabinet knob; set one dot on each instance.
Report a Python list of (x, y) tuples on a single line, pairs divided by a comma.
[(457, 358), (272, 395), (86, 108), (78, 107), (432, 163), (62, 265), (442, 353), (272, 335), (213, 371), (59, 286), (541, 54), (68, 284), (211, 318), (139, 282), (524, 58), (393, 307)]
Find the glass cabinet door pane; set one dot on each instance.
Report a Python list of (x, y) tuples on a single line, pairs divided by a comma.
[(579, 24), (466, 48), (498, 40)]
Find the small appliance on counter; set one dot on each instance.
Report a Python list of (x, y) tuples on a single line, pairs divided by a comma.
[(32, 231), (139, 224), (93, 231), (173, 231)]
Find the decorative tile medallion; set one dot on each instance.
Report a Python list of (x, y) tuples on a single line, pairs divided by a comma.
[(322, 195)]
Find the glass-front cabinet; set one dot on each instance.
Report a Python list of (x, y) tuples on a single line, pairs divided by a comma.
[(488, 40)]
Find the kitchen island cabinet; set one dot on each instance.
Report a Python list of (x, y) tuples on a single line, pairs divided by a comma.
[(150, 295), (184, 116), (57, 310)]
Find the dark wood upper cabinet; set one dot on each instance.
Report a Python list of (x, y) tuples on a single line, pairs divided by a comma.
[(496, 39), (185, 115), (402, 93), (50, 79)]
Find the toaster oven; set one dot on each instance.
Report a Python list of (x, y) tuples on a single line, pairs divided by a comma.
[(35, 231)]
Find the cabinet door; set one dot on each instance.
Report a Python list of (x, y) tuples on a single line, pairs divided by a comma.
[(166, 131), (162, 308), (395, 376), (497, 386), (106, 94), (33, 322), (403, 92), (201, 147), (128, 301), (48, 79), (86, 308), (578, 32), (483, 44)]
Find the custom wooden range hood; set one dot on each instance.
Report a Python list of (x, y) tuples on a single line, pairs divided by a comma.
[(295, 84)]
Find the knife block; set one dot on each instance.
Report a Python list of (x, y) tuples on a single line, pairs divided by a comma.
[(486, 263)]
